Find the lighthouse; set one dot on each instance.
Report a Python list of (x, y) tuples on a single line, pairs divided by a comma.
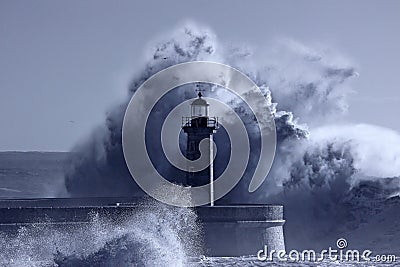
[(198, 127)]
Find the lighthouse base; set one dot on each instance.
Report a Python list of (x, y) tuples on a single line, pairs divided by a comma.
[(241, 229)]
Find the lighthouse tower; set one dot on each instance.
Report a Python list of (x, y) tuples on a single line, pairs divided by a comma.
[(197, 127)]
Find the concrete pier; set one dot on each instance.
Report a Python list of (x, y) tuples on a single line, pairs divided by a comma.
[(235, 230), (241, 229)]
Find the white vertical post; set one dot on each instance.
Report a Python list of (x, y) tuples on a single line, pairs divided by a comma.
[(211, 171)]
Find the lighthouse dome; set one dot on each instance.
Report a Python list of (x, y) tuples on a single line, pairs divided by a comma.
[(199, 107), (199, 102)]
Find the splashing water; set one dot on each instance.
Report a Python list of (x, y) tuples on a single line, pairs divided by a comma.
[(155, 236)]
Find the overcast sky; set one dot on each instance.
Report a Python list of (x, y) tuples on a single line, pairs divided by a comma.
[(57, 58)]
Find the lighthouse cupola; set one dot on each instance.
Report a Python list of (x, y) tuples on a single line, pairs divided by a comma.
[(199, 107)]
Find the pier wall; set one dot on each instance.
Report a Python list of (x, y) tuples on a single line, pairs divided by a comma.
[(234, 230)]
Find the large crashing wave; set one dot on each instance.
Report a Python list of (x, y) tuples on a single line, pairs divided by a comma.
[(321, 170), (303, 89)]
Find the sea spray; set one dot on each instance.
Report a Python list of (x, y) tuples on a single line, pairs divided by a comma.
[(304, 86), (155, 235)]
